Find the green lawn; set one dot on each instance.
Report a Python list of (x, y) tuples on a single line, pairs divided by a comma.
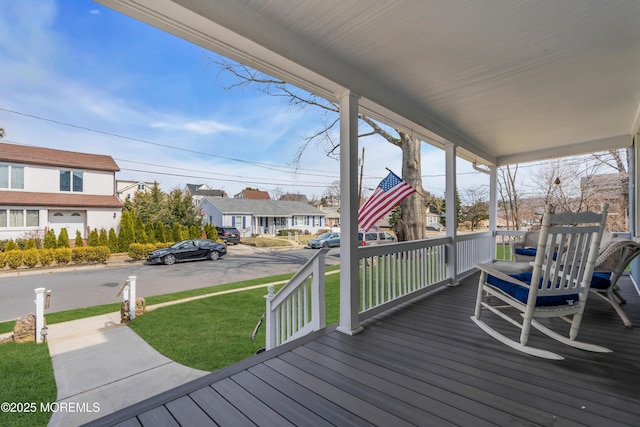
[(215, 332), (27, 378)]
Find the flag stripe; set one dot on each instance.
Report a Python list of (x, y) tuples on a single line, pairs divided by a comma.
[(390, 192)]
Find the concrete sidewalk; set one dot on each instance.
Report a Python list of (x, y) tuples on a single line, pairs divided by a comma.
[(101, 366)]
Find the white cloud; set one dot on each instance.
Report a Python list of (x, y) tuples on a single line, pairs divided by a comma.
[(94, 12), (202, 127)]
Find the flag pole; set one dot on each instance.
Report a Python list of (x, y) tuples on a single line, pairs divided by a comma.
[(417, 192)]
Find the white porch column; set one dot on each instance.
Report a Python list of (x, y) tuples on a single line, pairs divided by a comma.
[(493, 205), (451, 214), (349, 279)]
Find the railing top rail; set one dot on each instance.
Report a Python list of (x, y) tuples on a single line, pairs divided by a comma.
[(510, 232), (302, 274), (472, 236), (389, 248)]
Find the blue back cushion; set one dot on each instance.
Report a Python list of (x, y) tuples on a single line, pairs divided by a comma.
[(526, 251), (522, 294)]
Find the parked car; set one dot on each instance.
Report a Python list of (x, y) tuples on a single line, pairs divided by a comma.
[(188, 250), (229, 234), (325, 240), (375, 238)]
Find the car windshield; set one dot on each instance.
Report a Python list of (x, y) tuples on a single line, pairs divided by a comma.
[(184, 244), (324, 236)]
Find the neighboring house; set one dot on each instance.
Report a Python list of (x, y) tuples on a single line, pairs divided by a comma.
[(252, 195), (331, 215), (433, 220), (261, 216), (198, 191), (42, 188), (125, 190), (294, 197)]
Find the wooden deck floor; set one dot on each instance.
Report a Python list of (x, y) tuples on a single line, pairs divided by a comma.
[(425, 364)]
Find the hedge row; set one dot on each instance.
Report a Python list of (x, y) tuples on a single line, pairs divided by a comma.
[(62, 256), (141, 250)]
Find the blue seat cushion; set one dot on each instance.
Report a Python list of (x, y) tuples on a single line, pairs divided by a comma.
[(526, 251), (601, 280), (521, 293)]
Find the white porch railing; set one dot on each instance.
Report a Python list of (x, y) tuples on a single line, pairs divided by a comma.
[(299, 307), (503, 243), (393, 273), (473, 248), (390, 275)]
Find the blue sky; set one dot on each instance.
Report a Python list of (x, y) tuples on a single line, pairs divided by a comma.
[(155, 104)]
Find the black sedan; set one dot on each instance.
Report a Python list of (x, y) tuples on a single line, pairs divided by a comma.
[(188, 250)]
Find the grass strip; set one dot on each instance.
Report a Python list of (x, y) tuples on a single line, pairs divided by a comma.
[(81, 313), (27, 382)]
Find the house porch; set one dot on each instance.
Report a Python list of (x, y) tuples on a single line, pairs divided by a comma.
[(424, 363)]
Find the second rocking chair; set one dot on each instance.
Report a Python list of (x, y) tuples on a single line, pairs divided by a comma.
[(558, 286)]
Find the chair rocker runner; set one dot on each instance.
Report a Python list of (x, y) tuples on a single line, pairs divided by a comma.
[(558, 285)]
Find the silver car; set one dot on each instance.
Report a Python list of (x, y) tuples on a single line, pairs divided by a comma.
[(325, 240), (375, 238)]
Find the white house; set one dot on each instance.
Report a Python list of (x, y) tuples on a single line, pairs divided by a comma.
[(42, 188), (261, 216), (125, 190), (198, 191)]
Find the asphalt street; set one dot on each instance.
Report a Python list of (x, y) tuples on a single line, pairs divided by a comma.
[(95, 285)]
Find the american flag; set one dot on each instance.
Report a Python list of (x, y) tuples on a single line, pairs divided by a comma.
[(390, 192)]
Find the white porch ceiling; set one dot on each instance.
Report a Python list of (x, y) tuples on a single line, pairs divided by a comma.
[(507, 81)]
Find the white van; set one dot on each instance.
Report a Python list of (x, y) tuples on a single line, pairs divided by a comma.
[(375, 238)]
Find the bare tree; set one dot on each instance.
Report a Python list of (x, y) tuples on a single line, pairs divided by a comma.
[(411, 225), (276, 193), (509, 196), (332, 194), (475, 208)]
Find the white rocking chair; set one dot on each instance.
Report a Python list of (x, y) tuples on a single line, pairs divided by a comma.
[(561, 278)]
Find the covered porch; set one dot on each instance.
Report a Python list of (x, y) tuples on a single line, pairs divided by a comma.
[(425, 363), (490, 83)]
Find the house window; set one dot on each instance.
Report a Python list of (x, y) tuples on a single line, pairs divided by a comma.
[(301, 220), (16, 218), (141, 186), (33, 218), (65, 181), (12, 177), (71, 181), (3, 218), (17, 177), (77, 181)]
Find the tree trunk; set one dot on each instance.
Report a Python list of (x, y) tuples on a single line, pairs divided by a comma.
[(414, 211)]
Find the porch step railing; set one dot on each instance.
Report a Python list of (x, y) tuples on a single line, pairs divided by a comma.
[(299, 306)]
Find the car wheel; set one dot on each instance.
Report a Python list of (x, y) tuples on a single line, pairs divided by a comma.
[(325, 245), (214, 255), (169, 259)]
